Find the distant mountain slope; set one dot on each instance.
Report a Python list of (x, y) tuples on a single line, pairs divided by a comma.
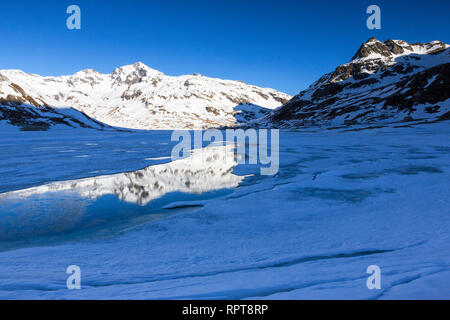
[(19, 109), (137, 97), (385, 82)]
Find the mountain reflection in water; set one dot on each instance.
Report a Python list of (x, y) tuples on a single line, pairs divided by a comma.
[(76, 205)]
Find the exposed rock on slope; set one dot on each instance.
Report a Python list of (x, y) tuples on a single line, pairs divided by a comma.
[(385, 82), (134, 96), (34, 114)]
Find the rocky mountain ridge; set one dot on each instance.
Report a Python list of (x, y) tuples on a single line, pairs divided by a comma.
[(385, 82)]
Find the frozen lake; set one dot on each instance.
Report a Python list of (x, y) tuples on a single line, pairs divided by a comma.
[(143, 227)]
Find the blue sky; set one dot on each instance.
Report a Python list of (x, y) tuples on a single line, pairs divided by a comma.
[(281, 44)]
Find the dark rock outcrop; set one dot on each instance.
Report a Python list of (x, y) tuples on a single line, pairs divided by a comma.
[(389, 81)]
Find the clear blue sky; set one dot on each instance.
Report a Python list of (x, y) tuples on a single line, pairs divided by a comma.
[(281, 44)]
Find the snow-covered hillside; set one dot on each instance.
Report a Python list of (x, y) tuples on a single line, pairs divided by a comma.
[(31, 113), (134, 96), (385, 82)]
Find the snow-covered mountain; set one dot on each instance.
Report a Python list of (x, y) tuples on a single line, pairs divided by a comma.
[(385, 82), (133, 96)]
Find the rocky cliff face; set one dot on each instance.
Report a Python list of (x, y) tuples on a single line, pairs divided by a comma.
[(385, 82), (133, 96)]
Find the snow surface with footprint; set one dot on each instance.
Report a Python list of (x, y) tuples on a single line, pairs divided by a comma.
[(341, 201)]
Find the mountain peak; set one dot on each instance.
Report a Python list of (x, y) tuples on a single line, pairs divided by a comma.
[(372, 48), (375, 49), (372, 40), (137, 66), (140, 65), (134, 73)]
